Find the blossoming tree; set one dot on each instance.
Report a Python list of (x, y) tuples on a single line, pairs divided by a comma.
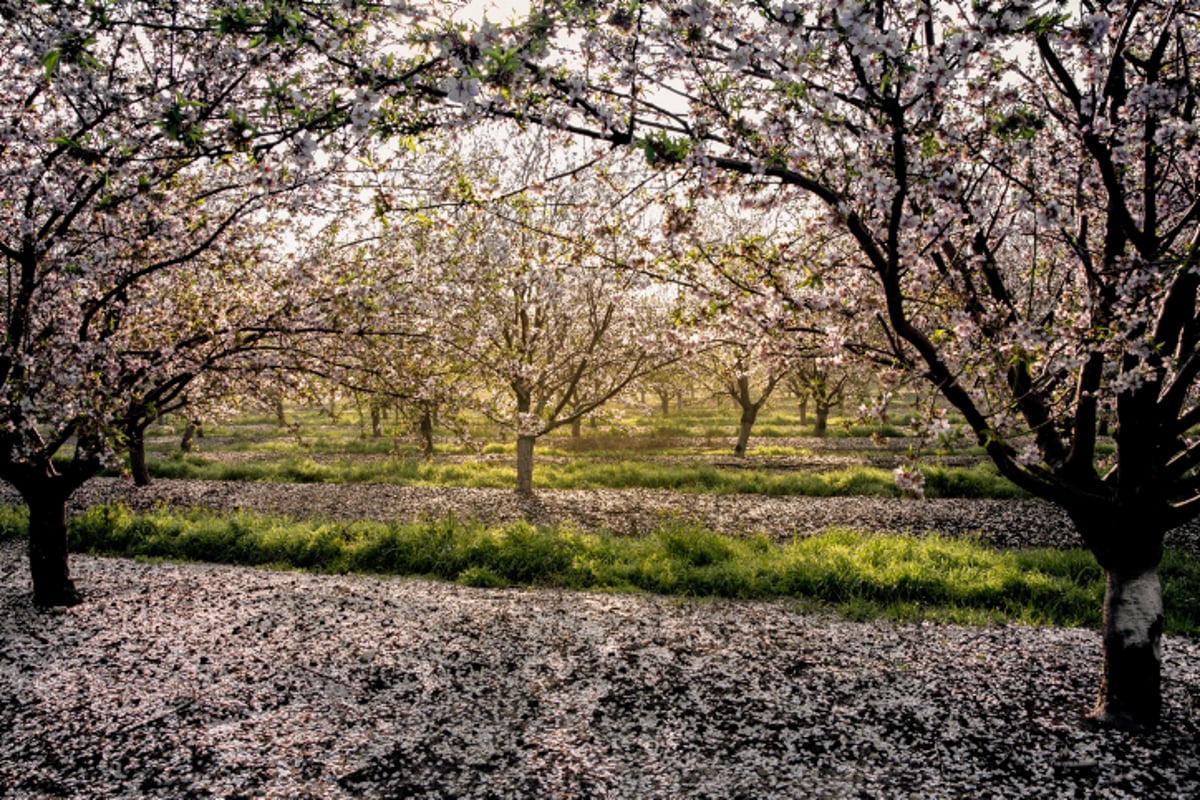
[(135, 139), (1018, 180), (522, 285)]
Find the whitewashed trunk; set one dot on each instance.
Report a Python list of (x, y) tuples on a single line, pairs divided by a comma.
[(1130, 691)]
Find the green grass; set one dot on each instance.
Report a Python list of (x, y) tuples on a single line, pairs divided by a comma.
[(299, 469), (14, 521), (899, 577), (971, 482)]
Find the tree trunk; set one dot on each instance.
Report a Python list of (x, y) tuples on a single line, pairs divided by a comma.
[(822, 421), (427, 435), (1130, 690), (190, 431), (747, 422), (664, 403), (804, 411), (376, 421), (576, 428), (280, 416), (884, 405), (48, 562), (525, 464), (137, 456)]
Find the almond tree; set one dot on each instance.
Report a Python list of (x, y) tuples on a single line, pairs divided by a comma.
[(739, 374), (1019, 181), (668, 384), (220, 323), (813, 380), (751, 290), (135, 138), (524, 290)]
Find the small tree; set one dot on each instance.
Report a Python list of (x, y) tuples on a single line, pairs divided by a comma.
[(813, 380), (749, 381)]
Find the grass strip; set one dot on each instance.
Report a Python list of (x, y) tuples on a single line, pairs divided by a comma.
[(862, 576), (14, 521), (976, 482)]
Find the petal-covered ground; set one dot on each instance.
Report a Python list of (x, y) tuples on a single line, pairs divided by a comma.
[(209, 681)]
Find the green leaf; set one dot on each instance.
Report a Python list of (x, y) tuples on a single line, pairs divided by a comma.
[(661, 148), (1045, 23), (50, 62)]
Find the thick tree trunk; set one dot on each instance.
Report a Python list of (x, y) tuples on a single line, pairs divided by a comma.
[(280, 416), (576, 428), (1130, 690), (137, 457), (804, 411), (48, 562), (525, 464), (376, 421), (1127, 541), (822, 420)]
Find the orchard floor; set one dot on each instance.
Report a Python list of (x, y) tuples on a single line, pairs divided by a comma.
[(195, 680), (1003, 523)]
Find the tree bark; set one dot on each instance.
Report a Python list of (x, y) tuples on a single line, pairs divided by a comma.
[(576, 427), (137, 456), (376, 421), (525, 464), (822, 420), (744, 427), (427, 434), (1130, 690), (189, 432), (804, 411), (48, 561)]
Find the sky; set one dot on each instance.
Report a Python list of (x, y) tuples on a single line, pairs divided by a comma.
[(494, 10)]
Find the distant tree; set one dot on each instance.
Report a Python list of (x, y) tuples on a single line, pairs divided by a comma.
[(532, 292), (669, 384), (813, 379), (736, 371)]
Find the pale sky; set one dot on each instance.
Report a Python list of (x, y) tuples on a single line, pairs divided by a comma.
[(495, 10)]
